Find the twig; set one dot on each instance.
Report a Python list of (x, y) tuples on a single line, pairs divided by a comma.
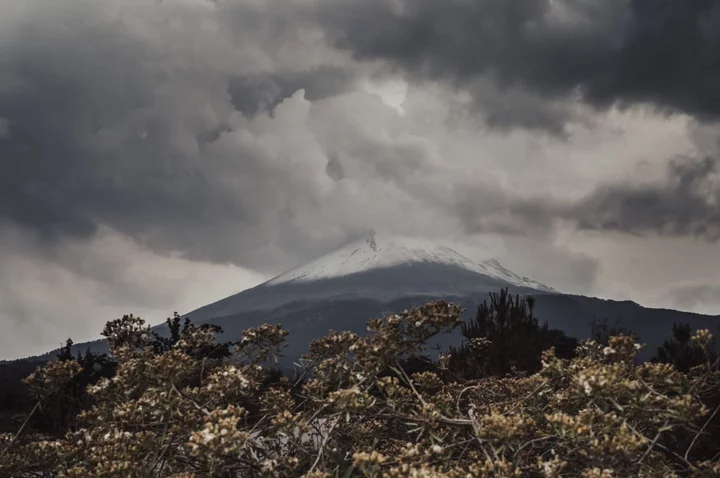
[(409, 382), (443, 419), (660, 445), (653, 443), (457, 403), (324, 443), (530, 442), (160, 454), (692, 444), (526, 397), (192, 400), (22, 427)]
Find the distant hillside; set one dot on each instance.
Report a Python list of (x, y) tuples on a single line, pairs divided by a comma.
[(373, 276)]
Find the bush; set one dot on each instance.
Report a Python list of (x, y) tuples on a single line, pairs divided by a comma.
[(683, 352), (358, 412), (505, 337)]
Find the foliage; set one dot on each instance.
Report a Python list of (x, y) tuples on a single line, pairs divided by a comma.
[(162, 344), (177, 413), (16, 401), (682, 351), (505, 337), (601, 331), (61, 403)]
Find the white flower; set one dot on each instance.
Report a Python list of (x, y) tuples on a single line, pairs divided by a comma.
[(207, 435)]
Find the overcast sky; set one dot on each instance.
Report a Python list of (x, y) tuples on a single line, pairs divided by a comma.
[(157, 155)]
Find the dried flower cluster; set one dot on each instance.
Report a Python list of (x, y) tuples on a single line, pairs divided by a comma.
[(358, 413)]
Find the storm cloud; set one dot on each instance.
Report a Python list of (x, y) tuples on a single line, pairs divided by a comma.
[(114, 115), (538, 54), (686, 203), (234, 139)]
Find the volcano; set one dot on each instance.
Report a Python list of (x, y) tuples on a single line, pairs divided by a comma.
[(375, 275), (363, 279), (376, 268)]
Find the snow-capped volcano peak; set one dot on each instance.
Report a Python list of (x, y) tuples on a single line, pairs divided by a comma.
[(377, 252)]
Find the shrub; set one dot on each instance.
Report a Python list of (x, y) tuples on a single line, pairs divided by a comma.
[(682, 351), (176, 413), (505, 337)]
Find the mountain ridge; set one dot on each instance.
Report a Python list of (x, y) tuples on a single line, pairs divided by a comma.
[(365, 279)]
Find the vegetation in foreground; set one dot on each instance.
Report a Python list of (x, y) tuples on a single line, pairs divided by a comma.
[(516, 399)]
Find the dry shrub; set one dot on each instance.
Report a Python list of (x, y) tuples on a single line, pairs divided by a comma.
[(181, 414)]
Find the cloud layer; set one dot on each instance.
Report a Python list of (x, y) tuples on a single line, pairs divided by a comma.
[(249, 135), (541, 53)]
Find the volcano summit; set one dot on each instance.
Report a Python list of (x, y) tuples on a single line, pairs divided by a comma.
[(375, 275)]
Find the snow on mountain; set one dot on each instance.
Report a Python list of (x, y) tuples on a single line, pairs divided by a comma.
[(377, 252), (377, 268), (376, 275), (494, 269)]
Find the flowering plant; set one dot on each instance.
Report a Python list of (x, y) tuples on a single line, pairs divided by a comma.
[(357, 412)]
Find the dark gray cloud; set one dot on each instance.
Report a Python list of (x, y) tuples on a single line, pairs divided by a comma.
[(687, 203), (264, 92), (102, 125), (334, 168), (484, 208), (664, 53), (145, 145), (200, 142)]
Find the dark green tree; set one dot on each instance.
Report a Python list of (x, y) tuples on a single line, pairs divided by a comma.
[(505, 337), (164, 343), (58, 414), (601, 331), (681, 351)]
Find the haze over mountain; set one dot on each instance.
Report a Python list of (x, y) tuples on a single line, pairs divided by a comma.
[(377, 274)]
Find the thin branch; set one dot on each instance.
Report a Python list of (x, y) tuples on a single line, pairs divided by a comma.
[(457, 403), (409, 382), (160, 453), (324, 443), (653, 443), (661, 446), (22, 427), (530, 442), (192, 400), (687, 452)]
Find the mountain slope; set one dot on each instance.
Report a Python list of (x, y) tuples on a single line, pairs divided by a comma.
[(368, 278), (377, 268), (373, 276)]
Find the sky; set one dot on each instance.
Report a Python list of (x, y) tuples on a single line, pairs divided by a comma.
[(157, 155)]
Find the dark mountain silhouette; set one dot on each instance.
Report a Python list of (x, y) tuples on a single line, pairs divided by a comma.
[(375, 275)]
